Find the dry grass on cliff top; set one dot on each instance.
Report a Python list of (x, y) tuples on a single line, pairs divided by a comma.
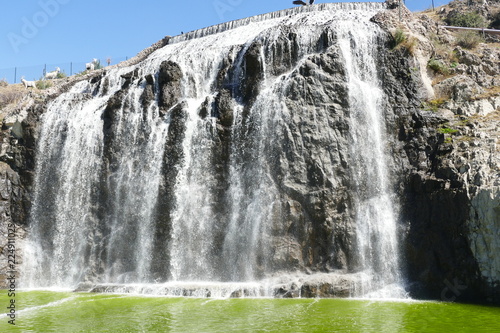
[(11, 94), (489, 92)]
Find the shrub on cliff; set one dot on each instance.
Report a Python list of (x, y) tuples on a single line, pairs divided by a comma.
[(469, 39), (401, 39), (495, 21), (433, 104), (43, 84), (470, 20), (438, 66)]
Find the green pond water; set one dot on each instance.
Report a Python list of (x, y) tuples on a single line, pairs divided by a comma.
[(47, 311)]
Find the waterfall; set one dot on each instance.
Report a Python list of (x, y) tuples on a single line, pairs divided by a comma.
[(375, 207), (68, 204), (65, 178), (218, 28), (129, 191)]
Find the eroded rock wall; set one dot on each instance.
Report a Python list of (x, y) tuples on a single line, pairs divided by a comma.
[(451, 144), (448, 183)]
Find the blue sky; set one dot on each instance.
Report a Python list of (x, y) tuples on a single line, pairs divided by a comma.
[(60, 32)]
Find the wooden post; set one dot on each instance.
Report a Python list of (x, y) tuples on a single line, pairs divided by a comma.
[(15, 74)]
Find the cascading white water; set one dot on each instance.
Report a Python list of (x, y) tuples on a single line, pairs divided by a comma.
[(134, 189), (65, 176), (375, 207), (94, 216), (65, 233)]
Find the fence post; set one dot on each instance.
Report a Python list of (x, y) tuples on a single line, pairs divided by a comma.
[(433, 9), (399, 9), (15, 74), (70, 69)]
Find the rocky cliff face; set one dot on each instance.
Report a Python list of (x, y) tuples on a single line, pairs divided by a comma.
[(445, 163), (451, 143)]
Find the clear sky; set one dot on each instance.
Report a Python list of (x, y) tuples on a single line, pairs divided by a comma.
[(53, 32)]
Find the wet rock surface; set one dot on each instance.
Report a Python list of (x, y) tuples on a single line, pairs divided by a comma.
[(446, 165)]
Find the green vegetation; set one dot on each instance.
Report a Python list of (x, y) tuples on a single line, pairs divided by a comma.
[(447, 130), (469, 39), (402, 40), (471, 20), (43, 84), (61, 75), (438, 66), (399, 36), (495, 21), (453, 57), (441, 49), (433, 104)]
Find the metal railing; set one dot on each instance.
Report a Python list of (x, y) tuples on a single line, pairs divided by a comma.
[(483, 30), (36, 72)]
